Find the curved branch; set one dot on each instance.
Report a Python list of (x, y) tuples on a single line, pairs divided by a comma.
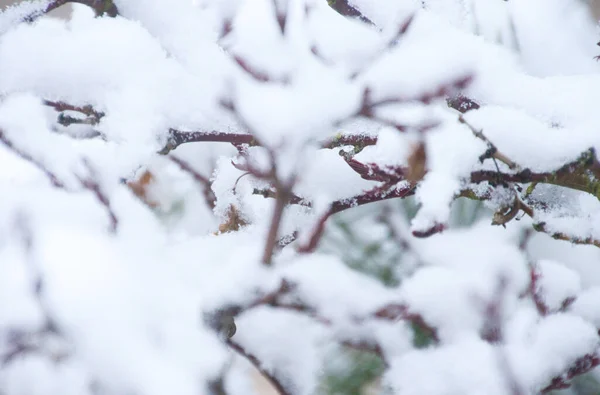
[(580, 366), (343, 7), (374, 195), (209, 195), (583, 174), (253, 359), (100, 7), (54, 180), (541, 227), (176, 138)]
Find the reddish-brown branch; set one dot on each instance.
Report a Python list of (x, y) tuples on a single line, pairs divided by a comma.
[(90, 183), (367, 346), (281, 199), (369, 105), (209, 195), (252, 71), (492, 149), (62, 106), (396, 312), (374, 195), (177, 137), (534, 291), (374, 172), (100, 7), (271, 193), (316, 234), (541, 227), (253, 359), (358, 140), (462, 103), (271, 298), (573, 175), (432, 230), (343, 7), (28, 158), (280, 14), (579, 367)]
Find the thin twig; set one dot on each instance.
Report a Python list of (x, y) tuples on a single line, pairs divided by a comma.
[(389, 218), (91, 183), (54, 180), (87, 110), (343, 7), (395, 312), (374, 195), (492, 149), (542, 227), (281, 199), (271, 193), (209, 195), (177, 137), (580, 366), (100, 7), (32, 342), (280, 14), (367, 346), (253, 359), (462, 103)]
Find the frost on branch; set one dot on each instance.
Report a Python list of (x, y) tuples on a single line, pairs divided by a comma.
[(199, 192)]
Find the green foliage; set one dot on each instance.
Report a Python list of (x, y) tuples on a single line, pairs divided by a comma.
[(350, 372)]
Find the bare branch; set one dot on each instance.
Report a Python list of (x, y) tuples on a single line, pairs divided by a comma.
[(367, 346), (86, 110), (492, 149), (253, 72), (280, 14), (542, 227), (396, 312), (282, 197), (462, 103), (432, 230), (574, 175), (91, 183), (100, 7), (271, 193), (27, 157), (374, 195), (253, 359), (21, 342), (343, 7), (580, 366), (202, 180), (176, 137)]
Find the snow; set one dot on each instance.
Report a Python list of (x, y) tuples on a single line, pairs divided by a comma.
[(557, 283), (585, 305), (314, 276), (448, 371), (299, 361)]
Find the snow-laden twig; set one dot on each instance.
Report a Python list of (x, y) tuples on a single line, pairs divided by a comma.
[(91, 183), (492, 151), (580, 366), (542, 227), (209, 195), (253, 359), (54, 180), (345, 8)]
